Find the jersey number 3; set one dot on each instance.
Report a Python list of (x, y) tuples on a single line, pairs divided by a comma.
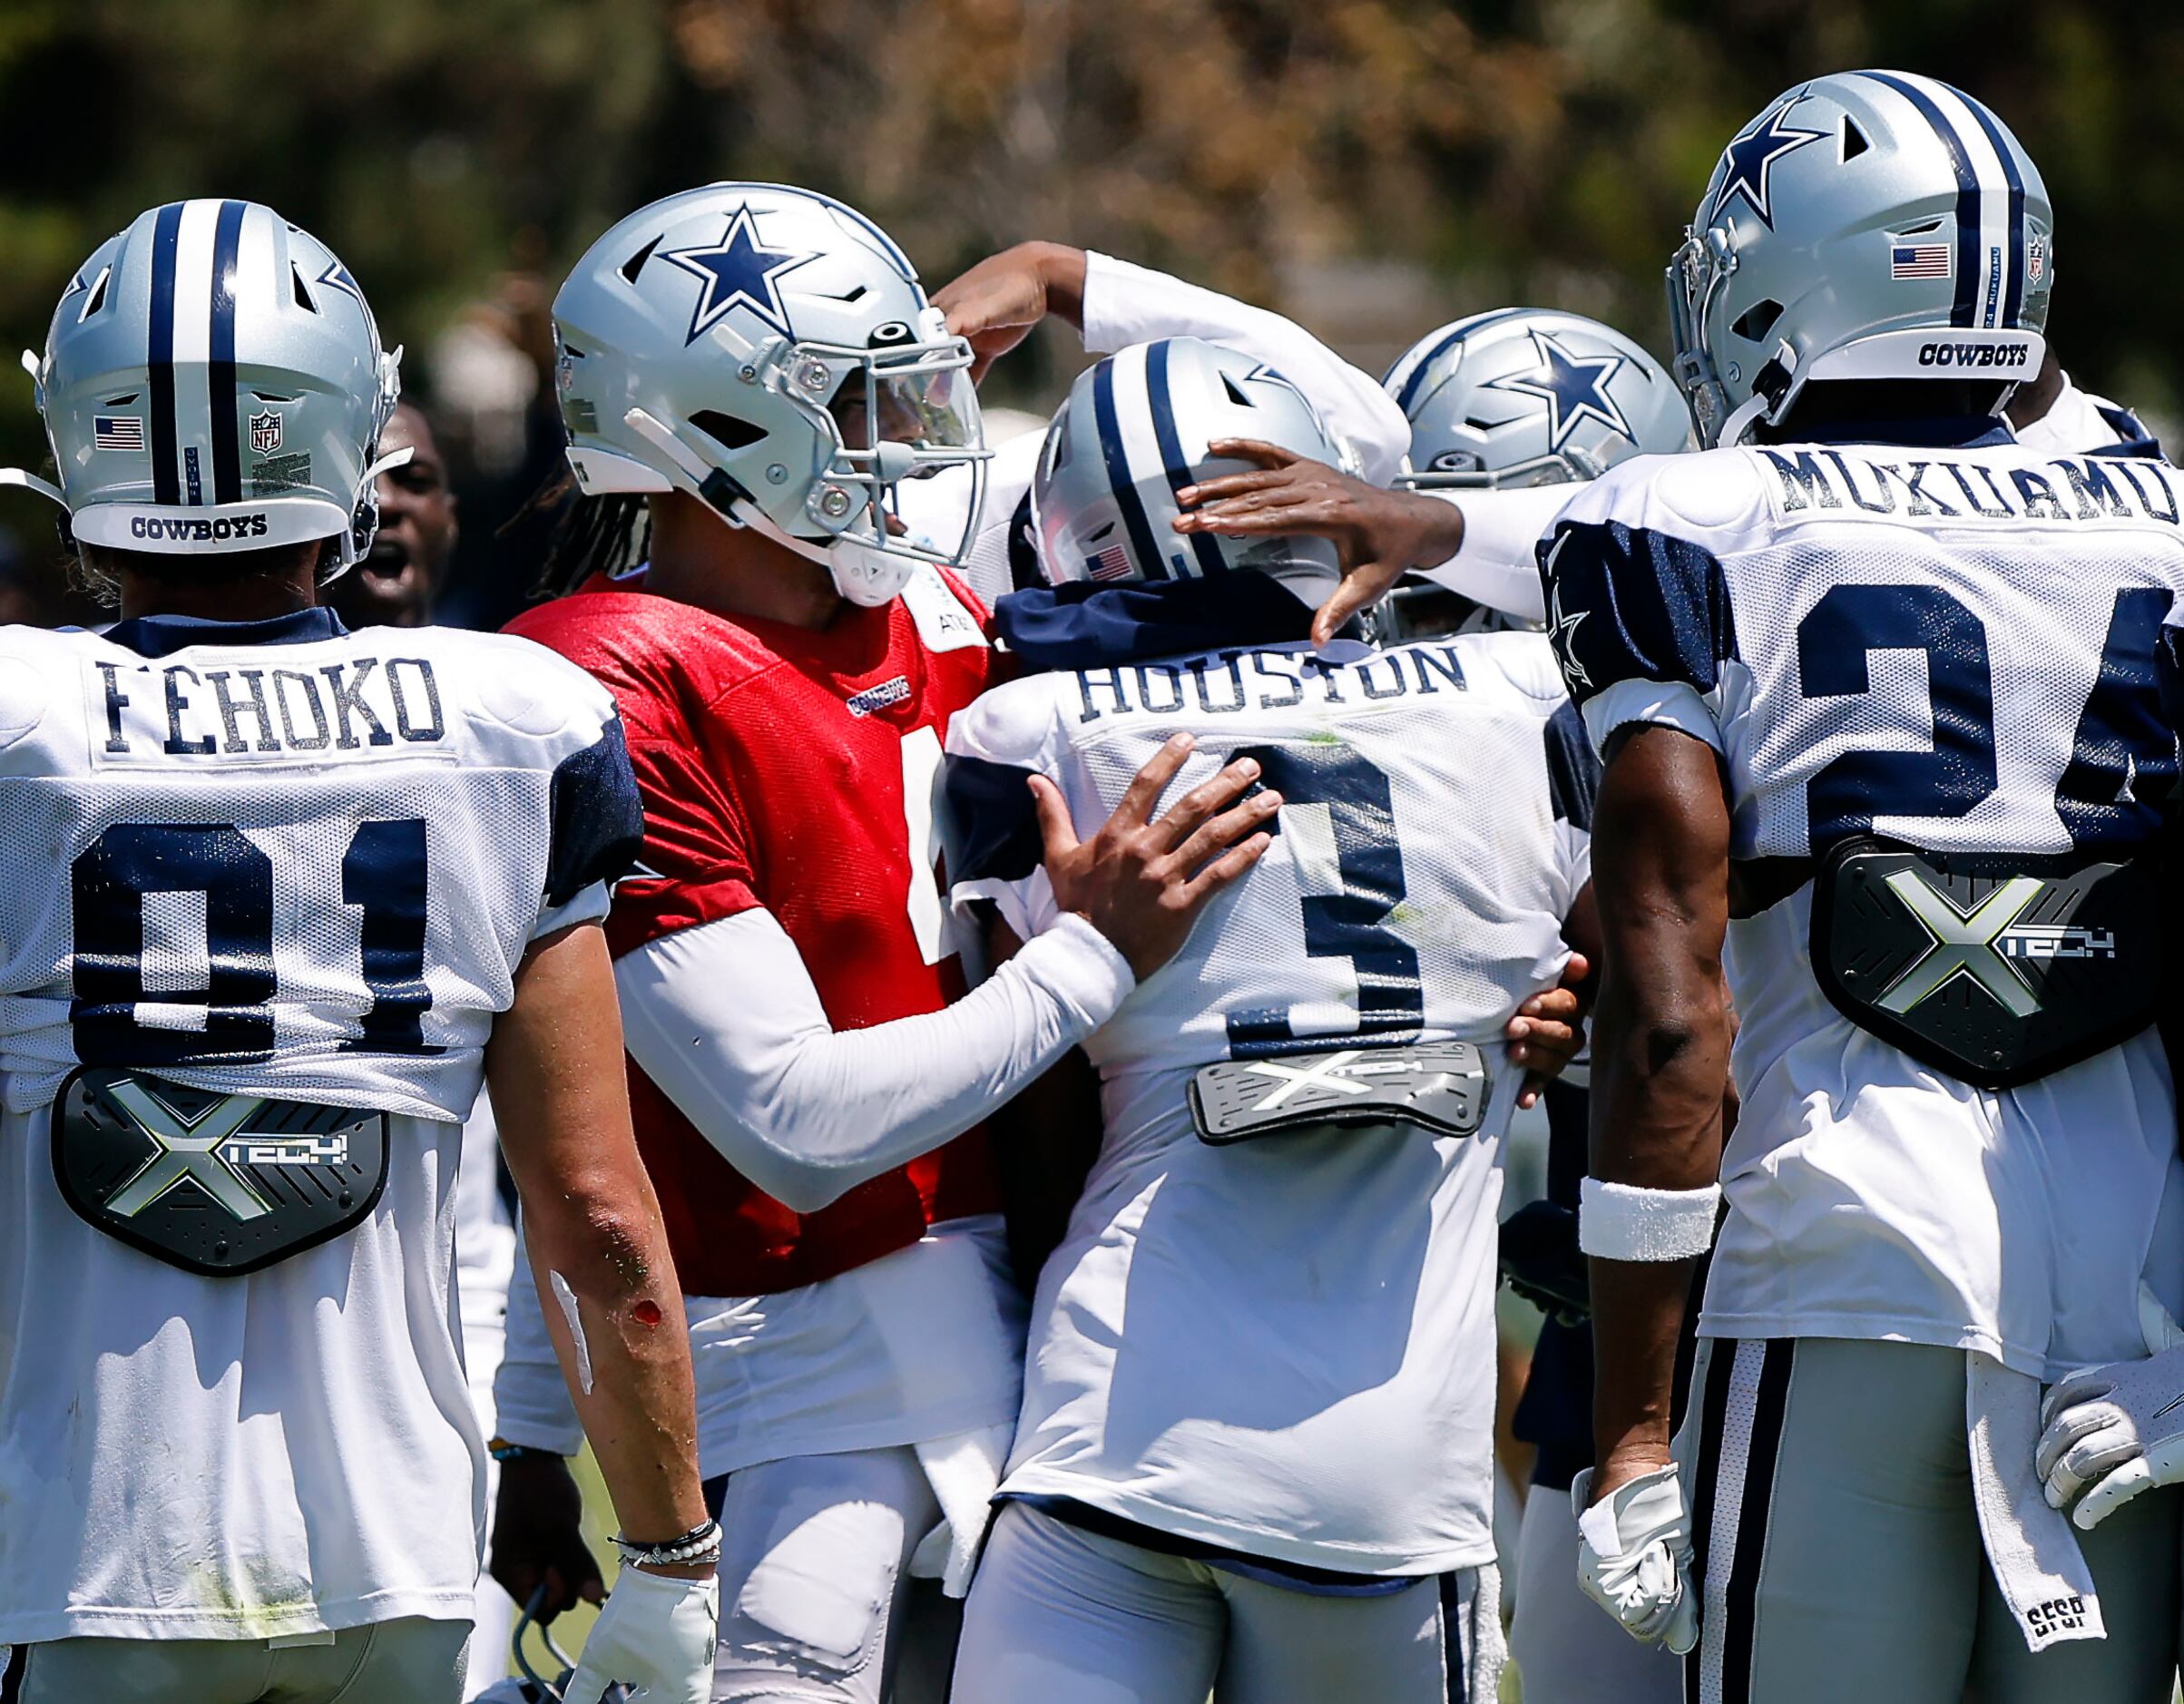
[(1351, 922), (219, 1011)]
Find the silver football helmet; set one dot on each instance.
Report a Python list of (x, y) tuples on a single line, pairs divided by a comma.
[(213, 381), (1530, 396), (1133, 432), (1870, 224), (771, 350)]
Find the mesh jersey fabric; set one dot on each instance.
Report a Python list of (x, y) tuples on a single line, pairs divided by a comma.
[(193, 1457), (344, 783), (1304, 1374), (789, 769), (1955, 647)]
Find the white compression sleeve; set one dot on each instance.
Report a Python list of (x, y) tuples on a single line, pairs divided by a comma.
[(724, 1018), (1126, 304), (1494, 565)]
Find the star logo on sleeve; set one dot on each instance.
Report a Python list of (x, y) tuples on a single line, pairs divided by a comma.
[(1573, 386), (738, 271), (1751, 157), (1561, 628)]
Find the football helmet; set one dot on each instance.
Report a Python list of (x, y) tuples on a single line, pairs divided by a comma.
[(1530, 396), (1870, 224), (772, 351), (213, 381), (1133, 432)]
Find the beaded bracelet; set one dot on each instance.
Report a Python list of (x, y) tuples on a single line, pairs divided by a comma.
[(700, 1544)]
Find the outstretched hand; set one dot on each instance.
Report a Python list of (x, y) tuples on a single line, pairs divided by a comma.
[(1142, 883), (995, 304), (1379, 534)]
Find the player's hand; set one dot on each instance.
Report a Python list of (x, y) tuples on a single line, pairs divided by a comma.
[(2115, 1431), (1634, 1556), (1549, 1031), (1142, 883), (1379, 534), (997, 302), (655, 1636), (538, 1536)]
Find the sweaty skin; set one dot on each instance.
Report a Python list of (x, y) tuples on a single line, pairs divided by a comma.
[(1661, 1046)]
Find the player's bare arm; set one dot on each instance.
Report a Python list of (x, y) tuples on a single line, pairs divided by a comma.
[(1660, 1059), (1381, 535), (592, 1227)]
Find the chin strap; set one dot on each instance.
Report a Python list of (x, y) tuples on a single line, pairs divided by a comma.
[(843, 558), (31, 482)]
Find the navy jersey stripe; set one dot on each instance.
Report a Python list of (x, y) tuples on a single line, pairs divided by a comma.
[(989, 821), (220, 400), (598, 818), (1572, 768), (159, 357), (1629, 604), (1964, 311), (1150, 563), (1204, 546), (2013, 294)]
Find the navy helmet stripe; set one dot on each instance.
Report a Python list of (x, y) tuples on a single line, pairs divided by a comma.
[(1461, 330), (2013, 299), (1964, 311), (1203, 545), (159, 360), (222, 402), (1150, 563)]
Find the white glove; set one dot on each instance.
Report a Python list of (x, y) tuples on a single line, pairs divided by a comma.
[(2117, 1429), (655, 1635), (1634, 1557)]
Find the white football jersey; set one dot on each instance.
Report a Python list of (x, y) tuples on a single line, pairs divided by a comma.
[(1954, 648), (270, 857), (1306, 1372)]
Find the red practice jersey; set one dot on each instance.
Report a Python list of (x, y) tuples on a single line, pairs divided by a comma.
[(788, 769)]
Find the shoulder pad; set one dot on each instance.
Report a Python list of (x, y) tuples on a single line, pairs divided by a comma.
[(1526, 660), (1017, 723)]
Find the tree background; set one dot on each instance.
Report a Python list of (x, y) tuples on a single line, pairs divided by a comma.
[(1374, 167)]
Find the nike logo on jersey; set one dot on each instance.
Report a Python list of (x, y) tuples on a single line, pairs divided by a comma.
[(156, 711), (2067, 489)]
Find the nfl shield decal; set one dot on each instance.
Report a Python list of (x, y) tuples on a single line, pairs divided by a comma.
[(265, 432)]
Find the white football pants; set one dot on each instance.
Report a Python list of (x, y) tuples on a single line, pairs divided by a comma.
[(1839, 1552), (1567, 1649), (815, 1553), (406, 1661), (1058, 1615)]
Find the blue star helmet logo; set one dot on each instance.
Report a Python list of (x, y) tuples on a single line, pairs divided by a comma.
[(1751, 157), (1573, 386), (338, 276), (738, 271)]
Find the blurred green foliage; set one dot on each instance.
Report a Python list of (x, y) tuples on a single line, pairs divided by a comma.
[(1499, 151)]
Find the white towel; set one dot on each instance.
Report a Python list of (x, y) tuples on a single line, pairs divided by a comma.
[(2031, 1548), (965, 1471)]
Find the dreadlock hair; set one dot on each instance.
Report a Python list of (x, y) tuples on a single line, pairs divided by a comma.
[(591, 535)]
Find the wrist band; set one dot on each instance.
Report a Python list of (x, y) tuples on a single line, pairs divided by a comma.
[(501, 1450), (700, 1544), (1620, 1222)]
